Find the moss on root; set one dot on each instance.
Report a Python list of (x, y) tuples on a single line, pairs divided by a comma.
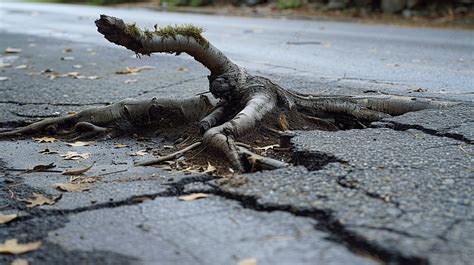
[(187, 30)]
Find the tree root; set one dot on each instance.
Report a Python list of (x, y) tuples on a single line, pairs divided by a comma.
[(239, 104)]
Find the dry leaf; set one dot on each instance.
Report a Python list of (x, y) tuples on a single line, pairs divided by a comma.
[(133, 70), (120, 145), (252, 261), (91, 179), (70, 113), (79, 171), (192, 197), (210, 168), (11, 246), (45, 139), (67, 58), (79, 143), (12, 50), (67, 50), (283, 122), (4, 78), (5, 65), (75, 156), (72, 187), (21, 66), (139, 153), (20, 262), (5, 218), (47, 152), (39, 199)]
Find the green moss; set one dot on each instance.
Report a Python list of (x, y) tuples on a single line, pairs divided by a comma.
[(187, 30), (133, 30)]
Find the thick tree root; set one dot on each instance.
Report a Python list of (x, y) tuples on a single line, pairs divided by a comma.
[(241, 102)]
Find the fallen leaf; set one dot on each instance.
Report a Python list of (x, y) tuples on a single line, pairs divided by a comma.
[(45, 139), (77, 66), (192, 197), (5, 218), (21, 66), (47, 152), (12, 50), (79, 171), (20, 262), (11, 246), (139, 153), (68, 58), (67, 50), (4, 78), (120, 145), (252, 261), (70, 113), (133, 70), (5, 65), (283, 122), (91, 179), (75, 156), (210, 168), (79, 143), (72, 187), (39, 199)]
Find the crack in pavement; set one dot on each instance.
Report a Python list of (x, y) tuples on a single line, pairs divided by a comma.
[(403, 127)]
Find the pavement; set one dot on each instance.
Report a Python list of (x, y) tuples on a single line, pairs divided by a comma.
[(399, 192)]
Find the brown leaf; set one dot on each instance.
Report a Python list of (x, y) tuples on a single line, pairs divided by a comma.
[(67, 50), (39, 199), (75, 156), (91, 179), (79, 143), (72, 187), (12, 50), (45, 139), (11, 246), (283, 122), (120, 145), (78, 172), (210, 168), (133, 70), (192, 197), (252, 261), (5, 218), (20, 262)]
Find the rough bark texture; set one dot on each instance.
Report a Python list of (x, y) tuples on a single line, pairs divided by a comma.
[(241, 100)]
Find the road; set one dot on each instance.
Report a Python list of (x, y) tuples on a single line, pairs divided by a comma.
[(436, 60), (398, 192)]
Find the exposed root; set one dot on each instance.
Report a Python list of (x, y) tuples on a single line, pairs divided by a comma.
[(240, 104)]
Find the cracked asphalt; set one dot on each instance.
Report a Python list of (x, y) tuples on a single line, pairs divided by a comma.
[(399, 192)]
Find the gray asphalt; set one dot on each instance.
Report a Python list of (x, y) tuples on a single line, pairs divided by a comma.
[(399, 192)]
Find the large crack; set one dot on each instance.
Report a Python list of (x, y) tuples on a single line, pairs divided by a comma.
[(403, 127)]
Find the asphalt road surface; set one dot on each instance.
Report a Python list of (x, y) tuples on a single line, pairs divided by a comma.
[(399, 192)]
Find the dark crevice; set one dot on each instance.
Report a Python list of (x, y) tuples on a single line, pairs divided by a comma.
[(394, 231), (326, 222), (314, 160), (403, 127)]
